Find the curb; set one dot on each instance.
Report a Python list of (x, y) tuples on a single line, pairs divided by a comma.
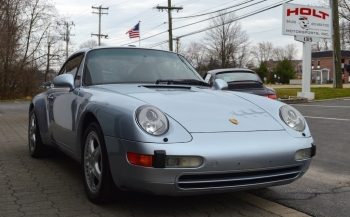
[(294, 100), (269, 206)]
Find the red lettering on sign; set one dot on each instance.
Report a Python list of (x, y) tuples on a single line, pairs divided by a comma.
[(324, 15), (305, 11), (289, 11), (315, 14)]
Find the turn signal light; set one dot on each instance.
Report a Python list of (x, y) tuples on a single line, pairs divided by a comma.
[(140, 159)]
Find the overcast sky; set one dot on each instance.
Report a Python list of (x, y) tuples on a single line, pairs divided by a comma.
[(124, 14)]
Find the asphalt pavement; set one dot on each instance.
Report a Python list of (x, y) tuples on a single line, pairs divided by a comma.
[(325, 189)]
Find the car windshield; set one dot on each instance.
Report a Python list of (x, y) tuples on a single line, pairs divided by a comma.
[(129, 65), (238, 76)]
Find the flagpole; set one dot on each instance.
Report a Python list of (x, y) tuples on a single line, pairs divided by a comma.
[(139, 34)]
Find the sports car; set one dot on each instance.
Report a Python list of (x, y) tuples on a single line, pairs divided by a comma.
[(243, 80), (144, 120)]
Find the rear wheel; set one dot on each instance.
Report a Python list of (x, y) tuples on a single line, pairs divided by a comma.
[(98, 182), (36, 146)]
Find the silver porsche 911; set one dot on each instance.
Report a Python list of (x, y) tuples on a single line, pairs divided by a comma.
[(144, 120)]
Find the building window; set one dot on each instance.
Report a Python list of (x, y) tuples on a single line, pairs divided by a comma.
[(318, 63), (312, 64), (349, 61)]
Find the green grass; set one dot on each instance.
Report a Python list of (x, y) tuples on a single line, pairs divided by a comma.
[(12, 100), (320, 92)]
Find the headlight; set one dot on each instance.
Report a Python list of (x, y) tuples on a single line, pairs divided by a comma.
[(292, 118), (152, 120)]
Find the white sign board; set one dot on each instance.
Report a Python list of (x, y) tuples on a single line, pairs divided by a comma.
[(307, 21)]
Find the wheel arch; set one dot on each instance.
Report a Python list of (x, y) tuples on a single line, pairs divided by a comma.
[(87, 118)]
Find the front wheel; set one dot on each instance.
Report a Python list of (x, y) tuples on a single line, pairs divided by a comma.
[(36, 146), (97, 177)]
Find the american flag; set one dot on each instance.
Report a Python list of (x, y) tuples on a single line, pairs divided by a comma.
[(134, 31)]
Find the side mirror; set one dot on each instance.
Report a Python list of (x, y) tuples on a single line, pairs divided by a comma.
[(65, 80), (47, 84), (220, 84)]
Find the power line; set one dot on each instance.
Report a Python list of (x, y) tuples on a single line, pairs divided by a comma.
[(147, 31), (83, 12), (192, 23), (149, 37), (219, 15), (157, 44), (242, 3), (119, 3), (214, 7), (236, 19), (262, 31)]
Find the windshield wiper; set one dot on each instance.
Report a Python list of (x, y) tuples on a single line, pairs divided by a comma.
[(246, 81), (183, 81)]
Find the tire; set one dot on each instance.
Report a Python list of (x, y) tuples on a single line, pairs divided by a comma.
[(36, 147), (97, 178)]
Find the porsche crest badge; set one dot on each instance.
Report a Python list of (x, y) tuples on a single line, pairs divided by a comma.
[(233, 121)]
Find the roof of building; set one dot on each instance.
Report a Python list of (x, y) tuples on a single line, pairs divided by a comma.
[(329, 53), (272, 63)]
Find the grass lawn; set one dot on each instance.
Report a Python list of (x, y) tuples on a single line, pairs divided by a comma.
[(320, 92)]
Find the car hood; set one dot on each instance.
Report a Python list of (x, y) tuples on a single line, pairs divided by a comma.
[(203, 110)]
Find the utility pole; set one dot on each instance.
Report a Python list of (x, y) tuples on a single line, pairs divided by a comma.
[(336, 47), (48, 58), (177, 44), (169, 9), (67, 34), (100, 12)]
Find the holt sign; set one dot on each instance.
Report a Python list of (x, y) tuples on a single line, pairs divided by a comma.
[(309, 21)]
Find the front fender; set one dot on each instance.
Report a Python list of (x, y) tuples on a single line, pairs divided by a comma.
[(39, 103)]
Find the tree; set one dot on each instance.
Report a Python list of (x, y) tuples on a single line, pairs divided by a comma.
[(288, 52), (285, 71), (262, 52), (196, 54), (322, 45), (250, 65), (9, 43), (262, 71), (344, 9), (25, 26), (226, 42), (88, 44)]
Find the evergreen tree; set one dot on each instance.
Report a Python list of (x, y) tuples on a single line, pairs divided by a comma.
[(262, 71), (284, 69)]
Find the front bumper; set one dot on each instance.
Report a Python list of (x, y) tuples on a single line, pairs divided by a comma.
[(231, 162)]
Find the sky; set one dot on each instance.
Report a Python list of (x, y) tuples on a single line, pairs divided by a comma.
[(124, 14)]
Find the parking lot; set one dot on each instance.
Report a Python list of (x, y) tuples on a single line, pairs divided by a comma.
[(53, 186)]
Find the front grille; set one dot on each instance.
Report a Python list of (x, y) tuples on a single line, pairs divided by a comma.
[(235, 179)]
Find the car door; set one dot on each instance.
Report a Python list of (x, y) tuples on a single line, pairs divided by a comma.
[(63, 107)]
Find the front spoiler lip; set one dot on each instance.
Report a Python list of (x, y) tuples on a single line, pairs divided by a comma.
[(169, 189), (300, 165)]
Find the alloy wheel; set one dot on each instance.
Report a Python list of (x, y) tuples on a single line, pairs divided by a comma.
[(32, 132), (93, 162)]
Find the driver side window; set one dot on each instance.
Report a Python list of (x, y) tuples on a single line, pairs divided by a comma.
[(72, 66)]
